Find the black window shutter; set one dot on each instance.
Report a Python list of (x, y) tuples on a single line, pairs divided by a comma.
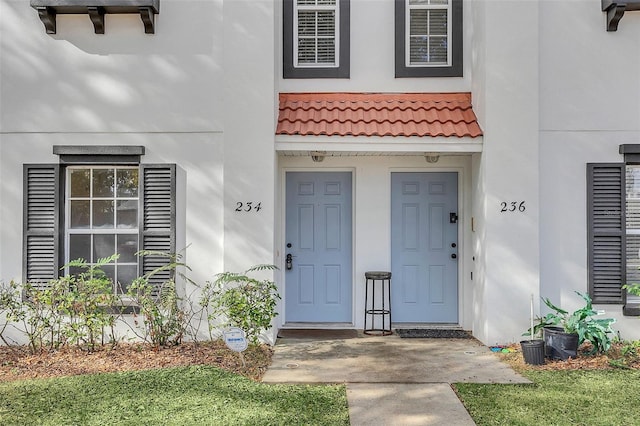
[(41, 224), (158, 217), (606, 232)]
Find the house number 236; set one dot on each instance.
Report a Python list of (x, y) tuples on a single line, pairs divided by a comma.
[(248, 206), (512, 206)]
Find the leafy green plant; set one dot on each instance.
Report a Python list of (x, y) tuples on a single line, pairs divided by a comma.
[(88, 303), (240, 300), (581, 322), (164, 322), (38, 312), (632, 288), (625, 354), (9, 303)]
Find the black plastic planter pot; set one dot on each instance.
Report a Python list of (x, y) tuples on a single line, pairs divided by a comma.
[(533, 351), (559, 344)]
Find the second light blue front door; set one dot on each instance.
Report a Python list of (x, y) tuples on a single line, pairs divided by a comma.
[(318, 244), (424, 247)]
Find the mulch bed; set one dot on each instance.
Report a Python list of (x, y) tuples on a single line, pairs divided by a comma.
[(612, 360), (18, 363)]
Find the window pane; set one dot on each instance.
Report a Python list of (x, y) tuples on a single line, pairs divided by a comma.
[(306, 51), (418, 22), (127, 183), (126, 274), (80, 183), (317, 36), (632, 180), (438, 49), (110, 272), (633, 258), (79, 247), (428, 2), (103, 246), (419, 49), (326, 24), (127, 248), (306, 24), (103, 214), (326, 51), (103, 182), (76, 270), (79, 214), (438, 22), (127, 214)]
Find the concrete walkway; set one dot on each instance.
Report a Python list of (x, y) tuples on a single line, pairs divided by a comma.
[(390, 380)]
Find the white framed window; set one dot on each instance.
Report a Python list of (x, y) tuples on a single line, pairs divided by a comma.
[(101, 219), (632, 226), (429, 33), (428, 38), (316, 32)]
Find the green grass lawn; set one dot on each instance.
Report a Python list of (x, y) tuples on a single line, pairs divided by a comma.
[(199, 395), (593, 398), (205, 395)]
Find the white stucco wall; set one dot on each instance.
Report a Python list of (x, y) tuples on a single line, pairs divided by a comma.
[(506, 243), (249, 117), (200, 93), (120, 81), (373, 58), (589, 105)]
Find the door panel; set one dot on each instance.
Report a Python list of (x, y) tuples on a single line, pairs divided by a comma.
[(424, 240), (318, 286)]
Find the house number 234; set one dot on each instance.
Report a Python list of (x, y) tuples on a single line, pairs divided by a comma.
[(248, 206), (512, 206)]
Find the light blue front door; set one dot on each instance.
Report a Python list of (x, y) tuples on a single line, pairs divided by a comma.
[(424, 247), (318, 243)]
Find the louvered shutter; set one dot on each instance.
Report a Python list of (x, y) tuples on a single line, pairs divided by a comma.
[(158, 216), (606, 232), (41, 224)]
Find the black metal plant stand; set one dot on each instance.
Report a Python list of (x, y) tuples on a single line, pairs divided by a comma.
[(377, 308)]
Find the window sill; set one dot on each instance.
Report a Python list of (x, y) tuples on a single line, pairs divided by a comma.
[(96, 9), (124, 310), (631, 310)]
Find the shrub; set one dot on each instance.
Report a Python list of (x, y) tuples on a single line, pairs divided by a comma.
[(239, 300), (9, 303), (88, 303), (164, 322)]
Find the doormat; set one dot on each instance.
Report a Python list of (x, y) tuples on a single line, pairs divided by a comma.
[(434, 333), (314, 333)]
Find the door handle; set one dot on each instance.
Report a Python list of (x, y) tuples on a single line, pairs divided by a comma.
[(289, 261), (454, 256)]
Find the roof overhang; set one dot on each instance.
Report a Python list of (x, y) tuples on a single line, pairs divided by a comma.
[(377, 123), (389, 145)]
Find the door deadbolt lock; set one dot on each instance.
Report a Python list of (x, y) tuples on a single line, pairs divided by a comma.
[(453, 217), (454, 256)]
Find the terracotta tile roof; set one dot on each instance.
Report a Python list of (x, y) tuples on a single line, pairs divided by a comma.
[(377, 114)]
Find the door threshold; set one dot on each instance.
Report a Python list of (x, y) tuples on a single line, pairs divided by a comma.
[(424, 325), (317, 325)]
